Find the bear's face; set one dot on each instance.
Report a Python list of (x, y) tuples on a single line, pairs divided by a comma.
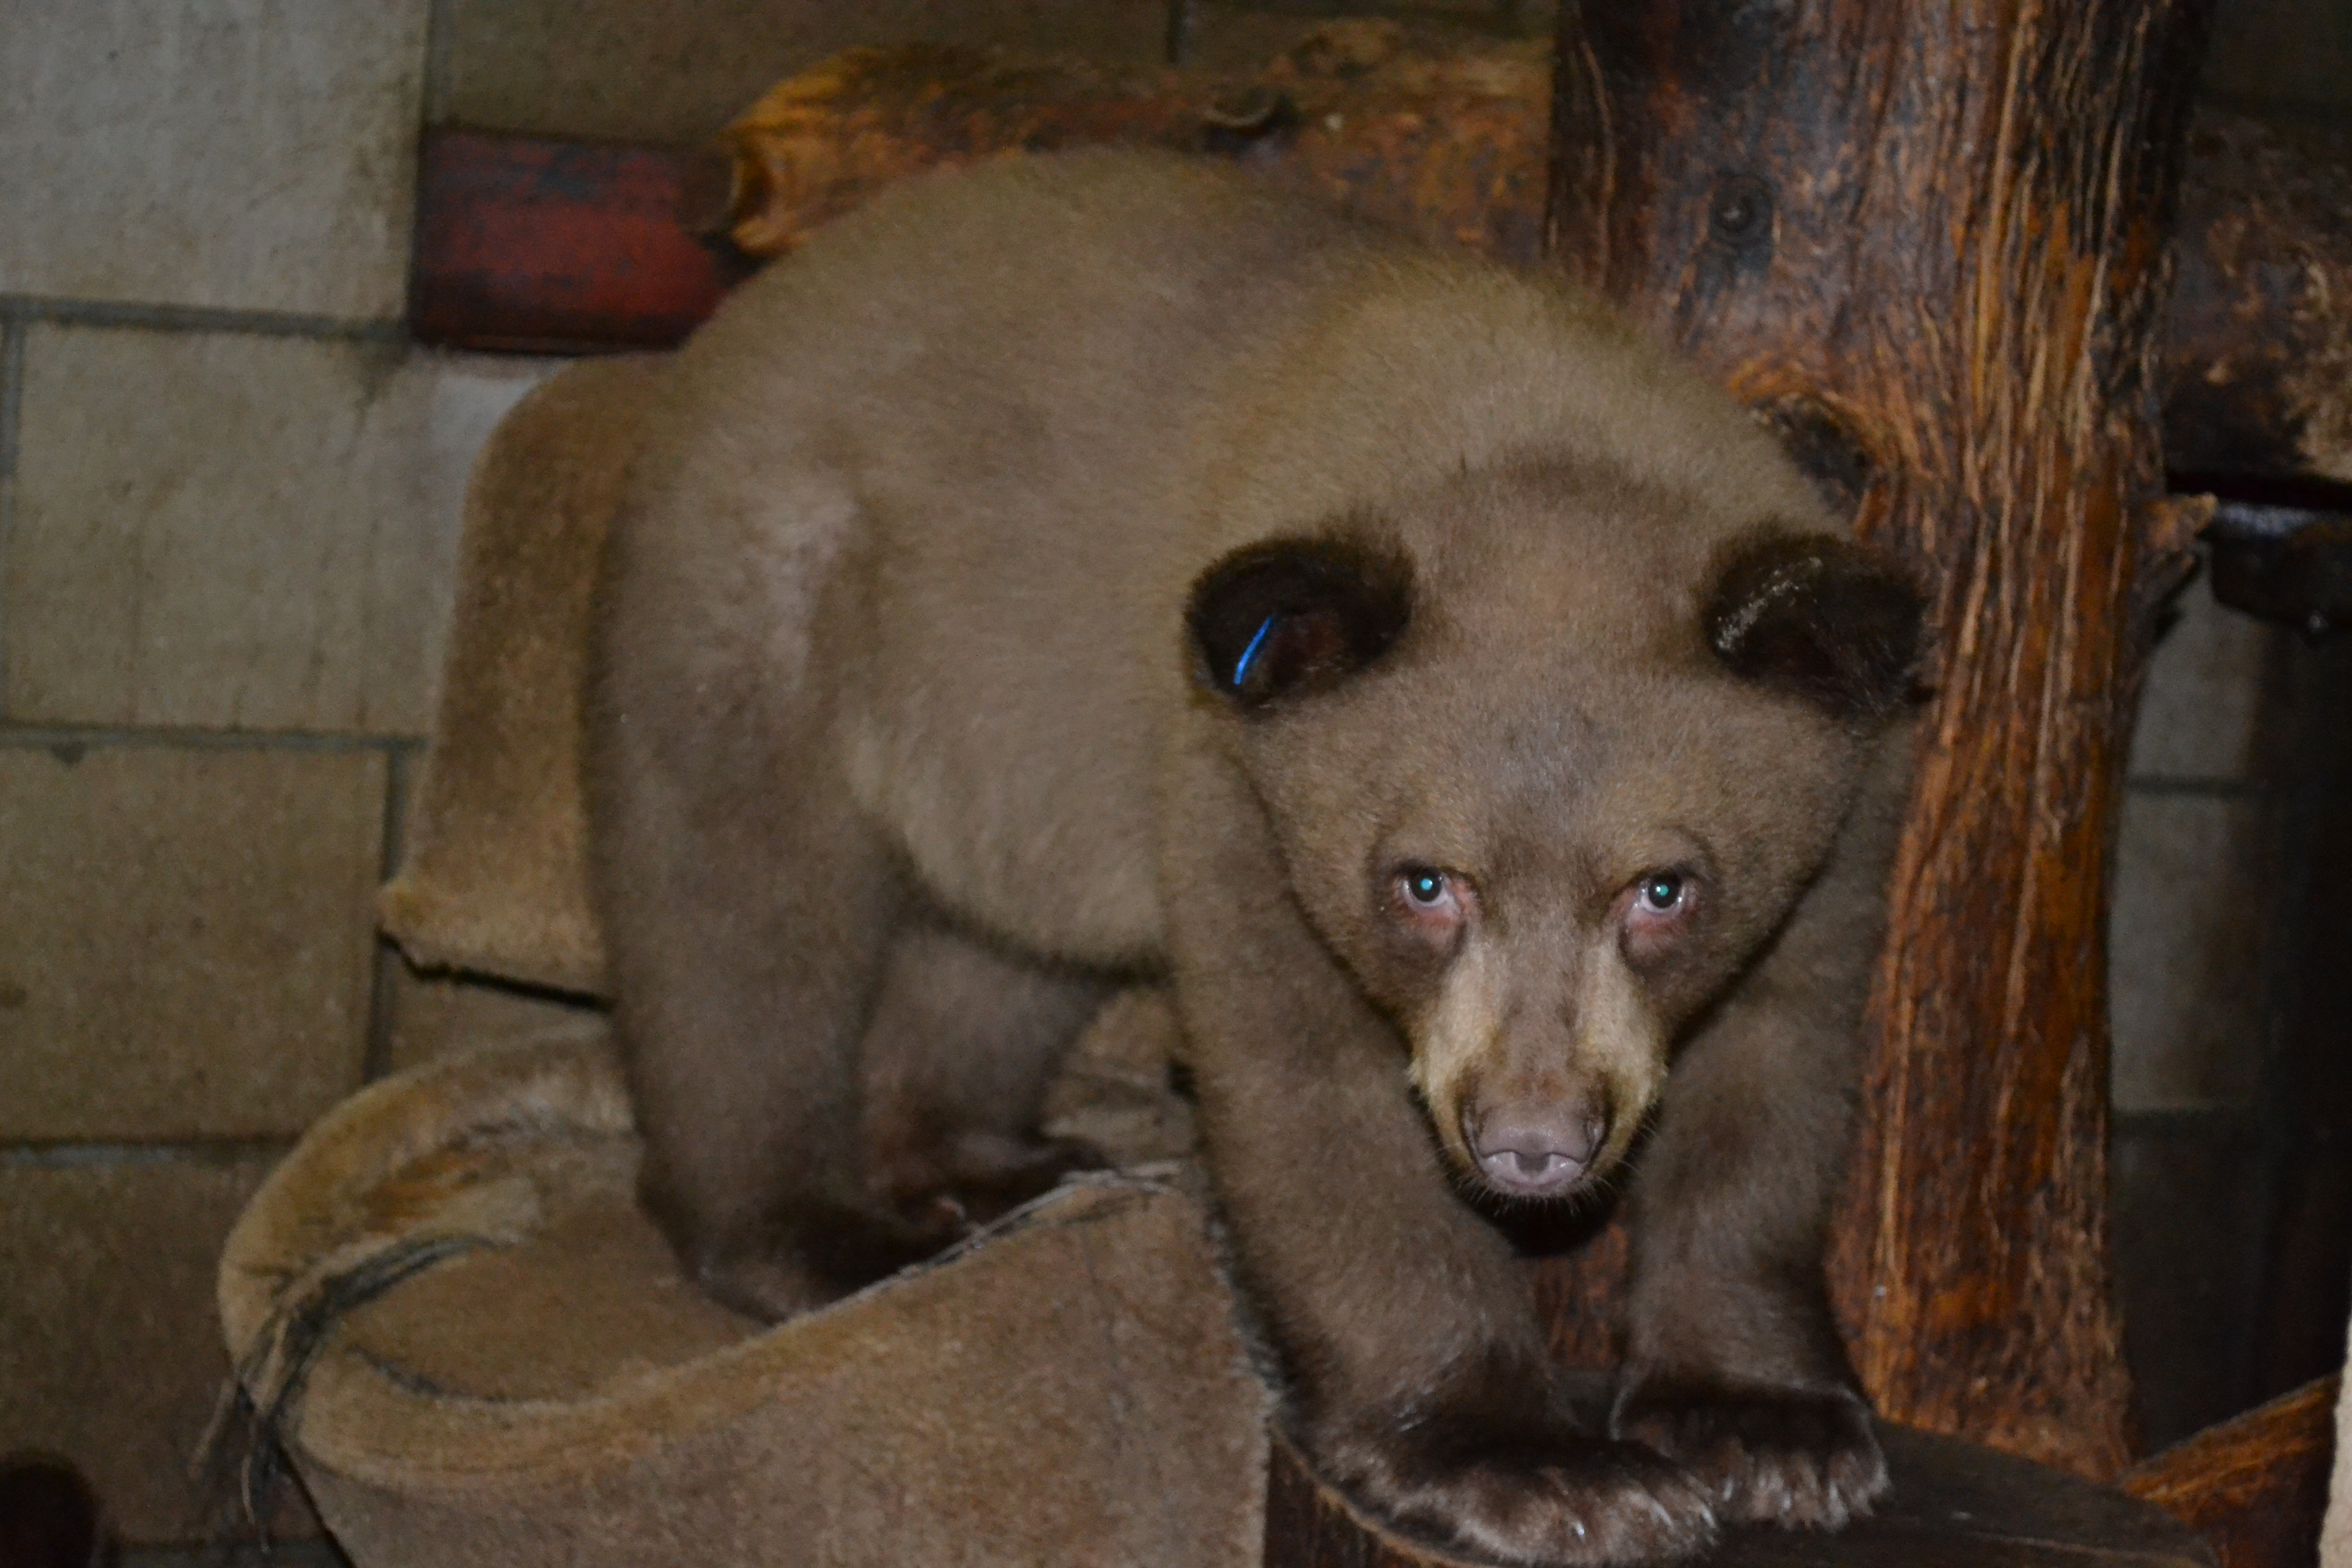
[(1545, 765)]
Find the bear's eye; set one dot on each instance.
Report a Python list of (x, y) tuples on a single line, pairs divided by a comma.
[(1660, 893), (1432, 903), (1656, 912)]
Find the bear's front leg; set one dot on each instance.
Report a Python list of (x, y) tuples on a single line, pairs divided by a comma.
[(1416, 1373), (1801, 1457), (1734, 1365), (1418, 1378)]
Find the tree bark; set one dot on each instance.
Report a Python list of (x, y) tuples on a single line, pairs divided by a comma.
[(1928, 239)]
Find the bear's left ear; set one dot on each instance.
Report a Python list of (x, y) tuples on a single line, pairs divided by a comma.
[(1291, 616), (1820, 616)]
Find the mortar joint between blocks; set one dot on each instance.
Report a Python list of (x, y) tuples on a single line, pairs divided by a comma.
[(11, 403), (23, 309)]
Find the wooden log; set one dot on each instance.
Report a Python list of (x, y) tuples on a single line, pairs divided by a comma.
[(2255, 1487), (1927, 238), (1423, 128), (1445, 134), (2258, 353), (570, 247)]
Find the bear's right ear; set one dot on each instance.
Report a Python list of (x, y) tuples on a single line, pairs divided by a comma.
[(1820, 617), (1291, 616)]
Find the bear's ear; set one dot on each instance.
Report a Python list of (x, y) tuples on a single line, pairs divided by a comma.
[(1290, 616), (1822, 616)]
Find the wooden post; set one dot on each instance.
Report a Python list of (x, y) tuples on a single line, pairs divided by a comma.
[(1928, 239)]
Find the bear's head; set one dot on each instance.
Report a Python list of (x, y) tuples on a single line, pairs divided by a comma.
[(1549, 754)]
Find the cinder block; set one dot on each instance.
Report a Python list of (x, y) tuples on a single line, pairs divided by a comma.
[(444, 1014), (2200, 711), (2185, 952), (185, 939), (263, 537), (111, 1354), (240, 154)]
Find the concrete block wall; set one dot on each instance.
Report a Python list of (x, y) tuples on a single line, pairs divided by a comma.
[(2190, 949), (2207, 870), (228, 505), (213, 631), (229, 495)]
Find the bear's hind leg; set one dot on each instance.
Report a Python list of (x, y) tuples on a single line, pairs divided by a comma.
[(747, 908), (956, 1058)]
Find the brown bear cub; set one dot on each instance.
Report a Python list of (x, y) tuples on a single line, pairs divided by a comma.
[(1100, 565)]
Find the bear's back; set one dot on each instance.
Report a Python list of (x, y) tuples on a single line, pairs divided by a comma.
[(1011, 414)]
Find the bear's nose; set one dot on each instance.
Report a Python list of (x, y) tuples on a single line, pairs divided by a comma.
[(1536, 1150)]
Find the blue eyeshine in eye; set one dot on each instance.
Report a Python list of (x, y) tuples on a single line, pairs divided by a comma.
[(1241, 671)]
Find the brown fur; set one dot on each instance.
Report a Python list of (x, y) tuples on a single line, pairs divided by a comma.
[(923, 706)]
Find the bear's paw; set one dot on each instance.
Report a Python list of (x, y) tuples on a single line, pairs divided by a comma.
[(1566, 1500), (1803, 1459)]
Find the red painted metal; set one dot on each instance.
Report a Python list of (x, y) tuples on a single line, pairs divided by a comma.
[(525, 243)]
